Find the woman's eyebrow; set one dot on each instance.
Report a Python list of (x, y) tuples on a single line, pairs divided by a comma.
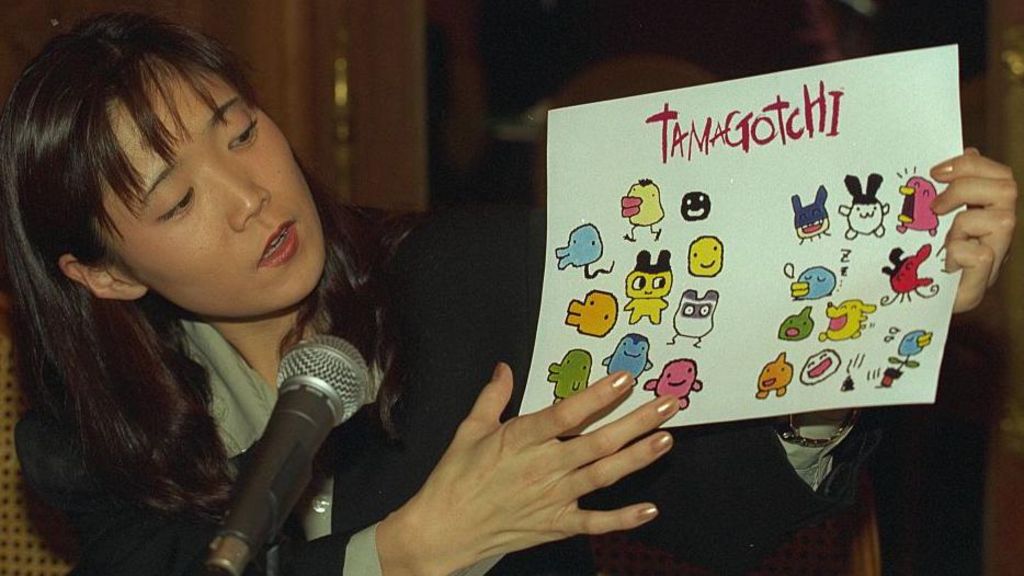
[(221, 111), (217, 117)]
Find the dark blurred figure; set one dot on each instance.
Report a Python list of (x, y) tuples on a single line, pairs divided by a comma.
[(528, 49)]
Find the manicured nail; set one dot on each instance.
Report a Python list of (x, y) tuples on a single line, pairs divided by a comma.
[(648, 513), (943, 169), (663, 442), (665, 406), (622, 381)]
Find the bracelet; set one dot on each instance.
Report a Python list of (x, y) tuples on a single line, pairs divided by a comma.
[(789, 432)]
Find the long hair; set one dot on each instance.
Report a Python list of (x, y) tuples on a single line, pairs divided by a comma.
[(117, 371)]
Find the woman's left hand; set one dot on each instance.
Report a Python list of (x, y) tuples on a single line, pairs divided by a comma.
[(980, 236)]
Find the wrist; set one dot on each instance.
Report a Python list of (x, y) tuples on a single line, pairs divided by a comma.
[(407, 546)]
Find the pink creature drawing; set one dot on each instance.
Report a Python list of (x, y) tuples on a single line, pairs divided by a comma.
[(917, 213), (678, 378)]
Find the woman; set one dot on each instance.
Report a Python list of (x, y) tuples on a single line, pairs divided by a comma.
[(149, 201), (163, 247)]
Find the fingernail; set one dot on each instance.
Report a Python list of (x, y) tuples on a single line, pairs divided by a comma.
[(648, 513), (663, 442), (665, 406), (943, 169), (622, 381)]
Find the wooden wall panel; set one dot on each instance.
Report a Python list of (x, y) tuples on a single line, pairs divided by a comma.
[(387, 64), (1004, 530)]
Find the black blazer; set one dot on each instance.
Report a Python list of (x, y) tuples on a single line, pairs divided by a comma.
[(467, 286)]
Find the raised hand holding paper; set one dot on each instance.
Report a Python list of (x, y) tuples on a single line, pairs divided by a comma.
[(756, 247)]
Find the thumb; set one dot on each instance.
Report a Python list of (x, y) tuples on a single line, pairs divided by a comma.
[(492, 400)]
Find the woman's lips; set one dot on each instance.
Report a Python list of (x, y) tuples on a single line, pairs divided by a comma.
[(281, 246)]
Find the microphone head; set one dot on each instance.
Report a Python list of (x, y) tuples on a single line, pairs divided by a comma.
[(331, 366)]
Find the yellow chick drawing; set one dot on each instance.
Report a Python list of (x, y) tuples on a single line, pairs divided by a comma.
[(642, 206)]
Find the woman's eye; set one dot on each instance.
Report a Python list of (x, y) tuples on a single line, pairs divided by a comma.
[(246, 136), (180, 207)]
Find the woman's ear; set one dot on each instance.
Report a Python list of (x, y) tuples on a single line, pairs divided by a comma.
[(105, 281)]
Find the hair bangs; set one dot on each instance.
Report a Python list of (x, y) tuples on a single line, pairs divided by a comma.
[(144, 87)]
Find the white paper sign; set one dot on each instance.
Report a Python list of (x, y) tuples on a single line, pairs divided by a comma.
[(756, 247)]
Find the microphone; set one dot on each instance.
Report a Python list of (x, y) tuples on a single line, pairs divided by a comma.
[(322, 382)]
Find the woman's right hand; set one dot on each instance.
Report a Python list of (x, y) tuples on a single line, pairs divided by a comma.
[(502, 487)]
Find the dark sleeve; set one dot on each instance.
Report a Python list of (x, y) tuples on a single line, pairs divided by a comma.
[(116, 538), (468, 286)]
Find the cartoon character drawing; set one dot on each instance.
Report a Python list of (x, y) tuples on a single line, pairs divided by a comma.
[(584, 248), (811, 221), (678, 378), (903, 276), (889, 376), (572, 374), (642, 206), (695, 317), (846, 320), (820, 366), (917, 213), (797, 327), (647, 286), (595, 315), (855, 363), (706, 257), (631, 355), (695, 206), (775, 376), (813, 283), (912, 344), (865, 214)]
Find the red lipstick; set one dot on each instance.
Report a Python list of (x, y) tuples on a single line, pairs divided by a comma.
[(280, 246)]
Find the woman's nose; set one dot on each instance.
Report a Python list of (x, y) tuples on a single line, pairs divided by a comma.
[(249, 203), (243, 196)]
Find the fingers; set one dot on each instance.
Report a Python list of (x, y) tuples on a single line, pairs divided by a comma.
[(988, 234), (604, 442), (489, 405), (970, 163), (977, 192), (557, 420), (978, 265), (974, 180), (609, 470), (602, 522), (980, 237)]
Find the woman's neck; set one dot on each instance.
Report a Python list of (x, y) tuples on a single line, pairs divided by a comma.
[(259, 341)]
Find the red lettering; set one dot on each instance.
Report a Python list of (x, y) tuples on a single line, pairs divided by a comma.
[(703, 144), (744, 127), (778, 107), (814, 109), (761, 121), (836, 95), (789, 125), (678, 136), (664, 117)]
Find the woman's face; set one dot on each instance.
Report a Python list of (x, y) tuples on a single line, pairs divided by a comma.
[(228, 229)]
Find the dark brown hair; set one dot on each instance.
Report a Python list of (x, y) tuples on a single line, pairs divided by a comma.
[(117, 371)]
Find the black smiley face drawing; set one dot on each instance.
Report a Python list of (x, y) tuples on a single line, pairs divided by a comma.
[(695, 206)]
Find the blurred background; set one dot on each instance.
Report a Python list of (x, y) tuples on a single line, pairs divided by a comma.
[(420, 104)]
